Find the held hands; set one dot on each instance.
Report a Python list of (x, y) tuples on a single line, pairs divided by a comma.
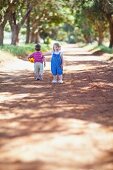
[(61, 66), (44, 64)]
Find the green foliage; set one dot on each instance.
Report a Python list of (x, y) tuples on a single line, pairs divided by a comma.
[(47, 41), (62, 35), (49, 16), (15, 50), (67, 33), (90, 20), (65, 20)]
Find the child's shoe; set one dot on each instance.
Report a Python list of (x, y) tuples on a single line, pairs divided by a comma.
[(36, 77), (54, 81), (60, 81), (40, 77)]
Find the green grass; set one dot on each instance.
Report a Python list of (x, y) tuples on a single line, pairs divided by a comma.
[(106, 49), (23, 49), (102, 48)]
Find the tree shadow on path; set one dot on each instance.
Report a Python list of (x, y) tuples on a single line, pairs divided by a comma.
[(46, 126)]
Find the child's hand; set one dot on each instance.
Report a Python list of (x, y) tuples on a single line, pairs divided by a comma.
[(61, 66)]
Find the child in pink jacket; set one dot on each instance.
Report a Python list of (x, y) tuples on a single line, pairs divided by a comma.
[(39, 62)]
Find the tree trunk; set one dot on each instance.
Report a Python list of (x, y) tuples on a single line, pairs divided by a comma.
[(15, 34), (110, 20), (5, 15), (1, 34), (28, 24), (37, 37), (111, 35), (15, 27), (28, 30), (32, 35), (101, 37), (87, 38), (86, 33), (2, 26)]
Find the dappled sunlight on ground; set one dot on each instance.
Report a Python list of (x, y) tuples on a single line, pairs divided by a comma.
[(45, 126), (58, 143), (7, 95)]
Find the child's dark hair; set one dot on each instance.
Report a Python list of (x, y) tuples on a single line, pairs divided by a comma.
[(37, 47)]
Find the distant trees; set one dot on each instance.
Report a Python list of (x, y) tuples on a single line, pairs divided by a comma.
[(107, 8), (98, 14), (86, 20), (6, 6), (11, 11), (43, 17), (17, 19), (36, 15)]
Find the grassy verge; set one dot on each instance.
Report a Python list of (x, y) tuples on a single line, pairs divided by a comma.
[(106, 49), (22, 50), (94, 46), (102, 48)]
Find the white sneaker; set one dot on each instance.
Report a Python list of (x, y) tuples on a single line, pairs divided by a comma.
[(54, 81), (60, 81)]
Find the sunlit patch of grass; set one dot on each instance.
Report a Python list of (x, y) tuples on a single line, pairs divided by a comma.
[(95, 46), (103, 49), (106, 49), (15, 50)]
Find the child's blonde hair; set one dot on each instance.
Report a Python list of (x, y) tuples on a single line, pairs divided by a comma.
[(56, 44)]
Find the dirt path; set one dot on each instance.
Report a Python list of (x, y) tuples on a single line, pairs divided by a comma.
[(57, 127)]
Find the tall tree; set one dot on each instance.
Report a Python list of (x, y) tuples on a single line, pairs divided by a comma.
[(107, 8), (6, 6), (17, 19), (100, 7)]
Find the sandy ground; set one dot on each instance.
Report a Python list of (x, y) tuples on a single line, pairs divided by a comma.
[(65, 126)]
